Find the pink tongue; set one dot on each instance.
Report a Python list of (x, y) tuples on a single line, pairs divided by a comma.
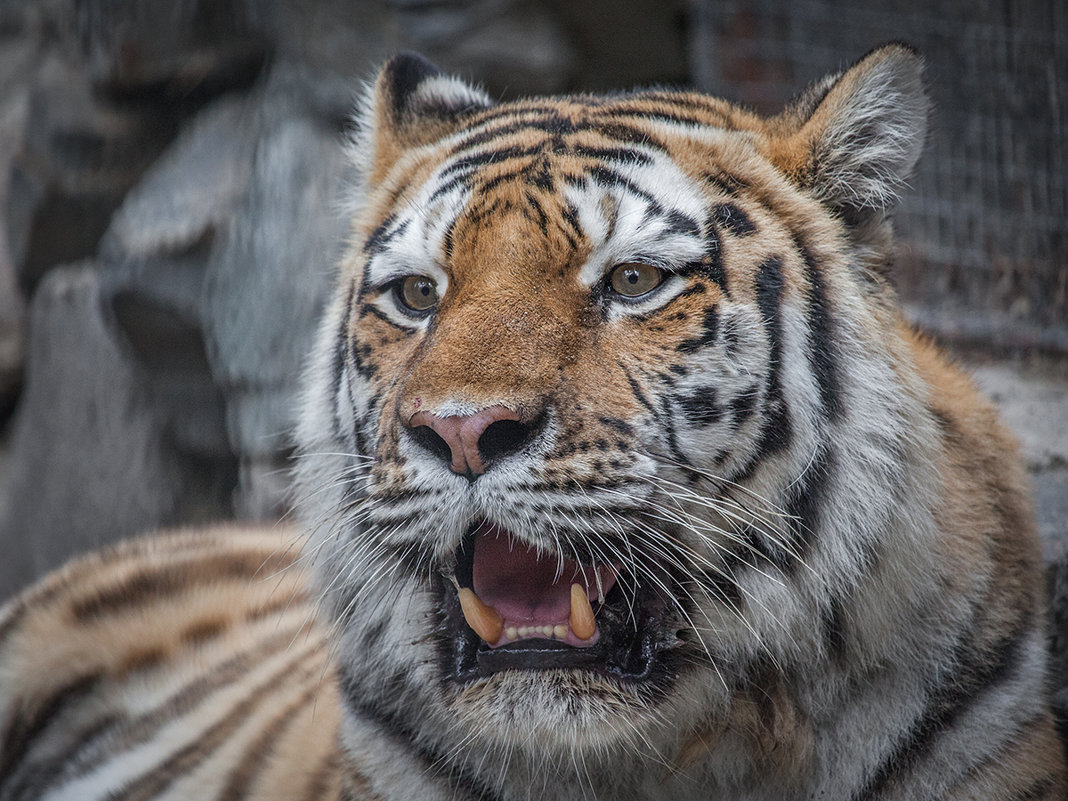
[(526, 589)]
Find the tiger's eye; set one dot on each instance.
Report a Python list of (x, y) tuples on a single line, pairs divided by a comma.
[(634, 279), (418, 293)]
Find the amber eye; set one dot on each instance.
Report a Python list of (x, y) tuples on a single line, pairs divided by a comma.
[(418, 293), (635, 278)]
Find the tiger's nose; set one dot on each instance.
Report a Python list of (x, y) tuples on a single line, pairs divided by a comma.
[(470, 443)]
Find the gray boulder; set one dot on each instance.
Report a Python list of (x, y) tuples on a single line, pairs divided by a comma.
[(92, 457)]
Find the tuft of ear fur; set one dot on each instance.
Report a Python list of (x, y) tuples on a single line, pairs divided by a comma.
[(853, 138), (411, 103)]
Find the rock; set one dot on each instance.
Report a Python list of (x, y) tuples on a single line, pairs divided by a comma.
[(16, 60), (75, 160), (191, 191), (269, 273), (92, 457), (180, 48), (513, 46), (1033, 401), (336, 38)]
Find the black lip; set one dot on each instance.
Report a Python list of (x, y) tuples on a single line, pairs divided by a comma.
[(636, 644)]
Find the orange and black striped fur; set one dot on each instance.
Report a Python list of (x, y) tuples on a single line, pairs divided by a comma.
[(622, 478)]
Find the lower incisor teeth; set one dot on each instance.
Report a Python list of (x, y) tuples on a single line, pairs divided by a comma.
[(583, 623)]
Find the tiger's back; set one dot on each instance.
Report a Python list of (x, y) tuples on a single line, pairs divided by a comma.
[(178, 666)]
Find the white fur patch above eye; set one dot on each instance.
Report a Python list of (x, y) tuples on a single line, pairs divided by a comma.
[(657, 215)]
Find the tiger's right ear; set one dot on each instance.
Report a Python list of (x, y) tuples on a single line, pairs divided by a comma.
[(411, 103)]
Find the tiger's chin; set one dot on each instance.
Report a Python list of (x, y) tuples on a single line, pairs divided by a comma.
[(555, 712)]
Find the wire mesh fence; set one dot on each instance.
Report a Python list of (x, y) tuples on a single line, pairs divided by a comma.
[(983, 231)]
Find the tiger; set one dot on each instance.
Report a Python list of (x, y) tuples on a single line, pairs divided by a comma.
[(621, 475)]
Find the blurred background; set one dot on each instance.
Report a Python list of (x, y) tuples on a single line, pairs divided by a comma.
[(168, 179)]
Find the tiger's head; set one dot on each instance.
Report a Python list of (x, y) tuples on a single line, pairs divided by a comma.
[(597, 407)]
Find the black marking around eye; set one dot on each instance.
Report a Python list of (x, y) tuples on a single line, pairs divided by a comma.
[(368, 308), (709, 329), (700, 406), (729, 216)]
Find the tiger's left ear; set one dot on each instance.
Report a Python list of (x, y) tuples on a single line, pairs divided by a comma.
[(411, 103), (853, 139)]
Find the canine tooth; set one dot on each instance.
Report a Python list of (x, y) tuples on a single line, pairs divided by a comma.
[(560, 631), (481, 617), (583, 623)]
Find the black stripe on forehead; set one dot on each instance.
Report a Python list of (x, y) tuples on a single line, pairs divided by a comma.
[(468, 164), (608, 178), (383, 233), (690, 101), (559, 128)]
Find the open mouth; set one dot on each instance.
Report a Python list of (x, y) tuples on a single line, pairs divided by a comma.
[(515, 608)]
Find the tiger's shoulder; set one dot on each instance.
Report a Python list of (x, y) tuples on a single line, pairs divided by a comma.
[(189, 663)]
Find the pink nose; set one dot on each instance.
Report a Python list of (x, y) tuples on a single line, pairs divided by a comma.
[(471, 444)]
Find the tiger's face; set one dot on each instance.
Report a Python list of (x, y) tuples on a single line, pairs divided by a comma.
[(570, 421)]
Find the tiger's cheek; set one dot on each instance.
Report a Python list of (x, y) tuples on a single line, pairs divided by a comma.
[(689, 379), (378, 350)]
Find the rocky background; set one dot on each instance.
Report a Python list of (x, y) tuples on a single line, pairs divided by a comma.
[(169, 175)]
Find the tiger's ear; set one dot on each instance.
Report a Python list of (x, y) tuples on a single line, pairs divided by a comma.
[(411, 103), (854, 138)]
